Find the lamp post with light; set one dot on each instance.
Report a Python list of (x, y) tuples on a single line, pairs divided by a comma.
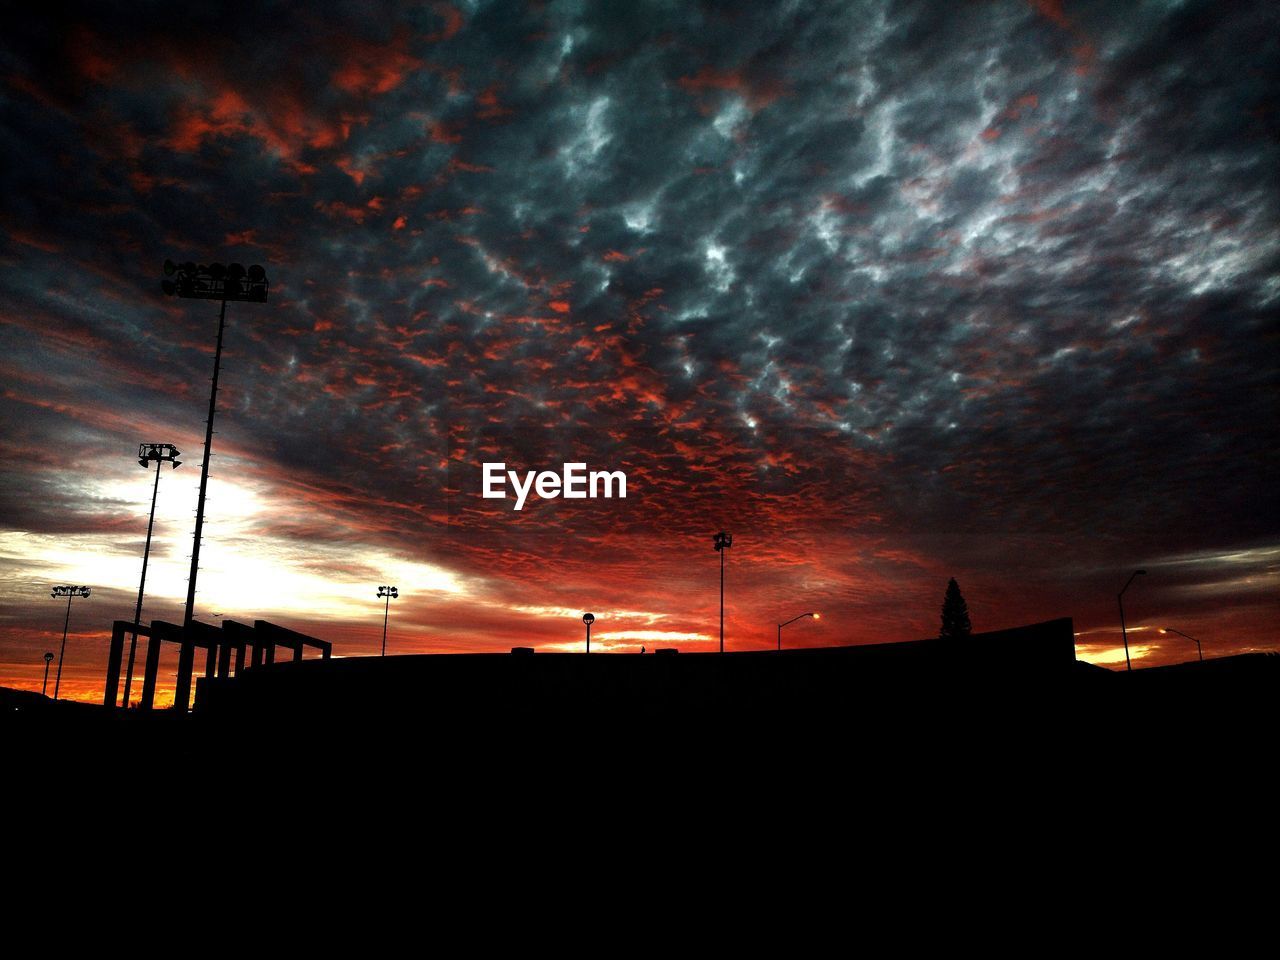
[(212, 282), (48, 659), (723, 542), (816, 616), (1189, 637), (391, 593), (159, 454), (1123, 631), (70, 593), (588, 619)]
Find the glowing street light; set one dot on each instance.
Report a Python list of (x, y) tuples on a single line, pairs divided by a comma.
[(159, 454), (1188, 636), (70, 593), (48, 659), (212, 282), (723, 542), (588, 619), (816, 616), (1125, 633), (391, 593)]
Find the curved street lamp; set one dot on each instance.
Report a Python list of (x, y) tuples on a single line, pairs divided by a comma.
[(723, 542), (70, 593), (391, 593), (1188, 636), (588, 619), (816, 616), (1123, 631)]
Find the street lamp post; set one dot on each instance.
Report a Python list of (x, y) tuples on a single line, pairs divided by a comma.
[(1199, 651), (159, 454), (816, 616), (70, 593), (212, 282), (723, 542), (391, 593), (588, 619), (1123, 630), (48, 659)]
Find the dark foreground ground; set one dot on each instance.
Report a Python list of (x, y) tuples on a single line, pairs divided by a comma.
[(892, 707)]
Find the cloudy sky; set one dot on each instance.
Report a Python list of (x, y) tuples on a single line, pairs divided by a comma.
[(893, 292)]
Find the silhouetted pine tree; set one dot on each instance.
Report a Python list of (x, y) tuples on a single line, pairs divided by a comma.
[(955, 614)]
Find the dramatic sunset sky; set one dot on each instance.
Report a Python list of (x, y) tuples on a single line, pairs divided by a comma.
[(893, 292)]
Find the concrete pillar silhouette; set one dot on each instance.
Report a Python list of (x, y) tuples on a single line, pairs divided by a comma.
[(114, 656), (182, 686), (150, 670)]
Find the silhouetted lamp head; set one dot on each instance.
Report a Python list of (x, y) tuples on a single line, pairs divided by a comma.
[(48, 657), (170, 268), (235, 271), (817, 616), (149, 453), (588, 618), (391, 592), (722, 540), (257, 274)]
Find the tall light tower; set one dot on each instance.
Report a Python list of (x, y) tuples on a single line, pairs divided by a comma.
[(70, 593), (588, 619), (159, 454), (48, 659), (723, 542), (391, 593), (212, 282), (1123, 631)]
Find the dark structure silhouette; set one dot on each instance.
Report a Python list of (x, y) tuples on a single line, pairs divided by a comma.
[(499, 692), (48, 659), (218, 642), (588, 619), (955, 614)]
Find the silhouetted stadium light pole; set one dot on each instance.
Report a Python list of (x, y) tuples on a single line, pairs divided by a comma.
[(212, 282), (390, 593), (723, 542), (70, 593), (48, 659), (1123, 631), (159, 454), (588, 619), (1189, 637), (816, 616)]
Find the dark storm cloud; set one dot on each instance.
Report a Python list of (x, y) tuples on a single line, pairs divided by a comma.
[(911, 269)]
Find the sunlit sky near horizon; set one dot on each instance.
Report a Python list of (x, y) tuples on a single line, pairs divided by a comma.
[(894, 292)]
